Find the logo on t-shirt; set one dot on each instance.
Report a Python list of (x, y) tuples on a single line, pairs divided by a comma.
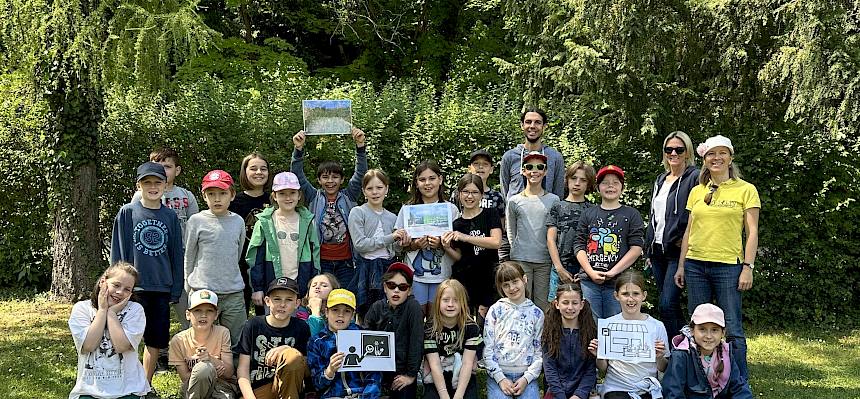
[(150, 237)]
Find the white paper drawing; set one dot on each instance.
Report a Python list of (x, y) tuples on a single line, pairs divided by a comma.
[(366, 350), (327, 116), (427, 219), (627, 340)]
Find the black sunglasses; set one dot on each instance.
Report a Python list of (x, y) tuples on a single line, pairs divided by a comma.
[(710, 195), (392, 285), (533, 166), (678, 150)]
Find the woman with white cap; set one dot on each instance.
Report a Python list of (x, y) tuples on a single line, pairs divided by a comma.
[(715, 263)]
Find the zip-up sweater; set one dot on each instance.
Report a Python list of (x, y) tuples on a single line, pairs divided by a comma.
[(264, 256), (362, 226), (512, 339), (406, 321), (316, 197), (513, 182), (571, 372), (364, 384), (677, 215), (685, 376)]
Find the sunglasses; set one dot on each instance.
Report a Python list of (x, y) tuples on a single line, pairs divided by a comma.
[(710, 195), (533, 166), (678, 150), (392, 285)]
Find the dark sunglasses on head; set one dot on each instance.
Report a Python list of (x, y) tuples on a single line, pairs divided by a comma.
[(392, 285), (710, 195), (678, 150), (533, 166)]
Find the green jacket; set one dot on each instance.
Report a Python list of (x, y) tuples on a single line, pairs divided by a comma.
[(264, 256)]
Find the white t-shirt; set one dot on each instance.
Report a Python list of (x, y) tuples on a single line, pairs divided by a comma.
[(104, 373), (379, 253), (659, 205), (287, 233), (622, 376), (435, 262)]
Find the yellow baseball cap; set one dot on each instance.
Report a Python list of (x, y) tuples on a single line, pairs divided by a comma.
[(341, 296)]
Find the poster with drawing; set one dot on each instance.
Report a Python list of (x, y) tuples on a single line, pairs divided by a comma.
[(366, 350), (627, 340), (327, 116), (427, 219)]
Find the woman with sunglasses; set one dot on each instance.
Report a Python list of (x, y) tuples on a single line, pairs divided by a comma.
[(401, 314), (714, 263), (667, 224)]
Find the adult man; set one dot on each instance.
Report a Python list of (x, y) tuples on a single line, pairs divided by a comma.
[(533, 122)]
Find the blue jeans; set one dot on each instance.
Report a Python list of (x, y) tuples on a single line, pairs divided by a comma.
[(344, 270), (494, 391), (665, 264), (719, 281), (601, 298)]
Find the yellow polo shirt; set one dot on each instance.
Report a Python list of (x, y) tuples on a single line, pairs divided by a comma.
[(716, 234)]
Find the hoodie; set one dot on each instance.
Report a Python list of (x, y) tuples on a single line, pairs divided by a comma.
[(685, 377), (264, 256), (512, 339), (677, 215), (358, 384)]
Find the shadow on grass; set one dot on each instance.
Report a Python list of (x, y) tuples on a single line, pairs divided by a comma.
[(794, 380)]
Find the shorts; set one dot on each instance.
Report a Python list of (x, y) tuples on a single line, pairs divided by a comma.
[(424, 292), (156, 307)]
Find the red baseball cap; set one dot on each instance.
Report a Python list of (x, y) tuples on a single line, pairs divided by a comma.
[(219, 179), (401, 267), (610, 169), (534, 155)]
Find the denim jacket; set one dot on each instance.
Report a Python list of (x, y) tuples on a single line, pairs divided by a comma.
[(352, 384)]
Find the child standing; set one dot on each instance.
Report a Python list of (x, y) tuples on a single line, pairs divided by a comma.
[(623, 378), (512, 333), (201, 354), (256, 185), (212, 251), (430, 262), (561, 224), (272, 347), (324, 360), (526, 218), (569, 369), (284, 242), (371, 227), (609, 239), (702, 365), (401, 314), (148, 235), (474, 243), (107, 329), (331, 205), (451, 343)]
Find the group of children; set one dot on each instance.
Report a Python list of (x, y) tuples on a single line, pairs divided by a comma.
[(313, 262)]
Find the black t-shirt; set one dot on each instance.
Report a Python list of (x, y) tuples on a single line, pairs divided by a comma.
[(473, 255), (248, 207), (258, 337), (445, 343)]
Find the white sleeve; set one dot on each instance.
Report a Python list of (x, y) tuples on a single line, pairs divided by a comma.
[(79, 322), (133, 323)]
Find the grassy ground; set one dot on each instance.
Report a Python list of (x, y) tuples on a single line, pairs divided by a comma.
[(37, 357)]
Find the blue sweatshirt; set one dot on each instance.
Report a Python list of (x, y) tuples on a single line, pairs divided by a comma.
[(571, 372), (361, 384), (677, 215), (151, 240)]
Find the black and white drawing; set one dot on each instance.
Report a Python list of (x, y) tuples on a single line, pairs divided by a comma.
[(627, 340), (366, 350)]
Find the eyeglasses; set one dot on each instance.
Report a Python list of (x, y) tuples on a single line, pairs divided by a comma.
[(710, 195), (392, 285), (533, 166), (470, 193), (678, 150)]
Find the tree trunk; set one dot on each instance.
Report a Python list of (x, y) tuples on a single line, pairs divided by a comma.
[(75, 112)]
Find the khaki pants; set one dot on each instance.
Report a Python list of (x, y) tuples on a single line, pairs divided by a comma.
[(538, 284), (290, 374), (205, 384)]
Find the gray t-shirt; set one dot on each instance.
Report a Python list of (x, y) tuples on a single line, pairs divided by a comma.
[(212, 252), (180, 201), (564, 215), (526, 221)]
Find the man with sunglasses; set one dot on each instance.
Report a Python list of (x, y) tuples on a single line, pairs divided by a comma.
[(533, 122)]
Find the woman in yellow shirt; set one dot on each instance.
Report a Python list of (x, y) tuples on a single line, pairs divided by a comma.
[(715, 263)]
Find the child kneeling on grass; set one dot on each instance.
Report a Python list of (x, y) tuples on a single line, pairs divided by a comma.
[(325, 361), (272, 348), (201, 354)]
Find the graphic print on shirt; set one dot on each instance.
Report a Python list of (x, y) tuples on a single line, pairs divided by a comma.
[(250, 221), (262, 344), (603, 243), (428, 260), (104, 363), (150, 237), (521, 328), (176, 203), (333, 225), (475, 248)]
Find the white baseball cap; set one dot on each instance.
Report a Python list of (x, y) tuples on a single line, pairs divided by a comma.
[(200, 297)]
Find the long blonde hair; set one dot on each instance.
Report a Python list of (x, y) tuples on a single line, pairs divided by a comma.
[(462, 317)]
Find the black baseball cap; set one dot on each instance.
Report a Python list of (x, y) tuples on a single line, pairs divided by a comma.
[(151, 169), (480, 153), (283, 283)]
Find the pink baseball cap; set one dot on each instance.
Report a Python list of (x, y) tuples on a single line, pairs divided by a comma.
[(709, 313), (285, 180), (218, 179)]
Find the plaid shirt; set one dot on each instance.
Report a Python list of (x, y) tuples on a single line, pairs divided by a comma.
[(350, 384)]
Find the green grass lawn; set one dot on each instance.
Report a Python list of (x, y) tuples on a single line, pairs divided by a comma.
[(37, 357)]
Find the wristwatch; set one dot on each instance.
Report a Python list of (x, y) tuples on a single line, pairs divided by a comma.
[(749, 265)]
